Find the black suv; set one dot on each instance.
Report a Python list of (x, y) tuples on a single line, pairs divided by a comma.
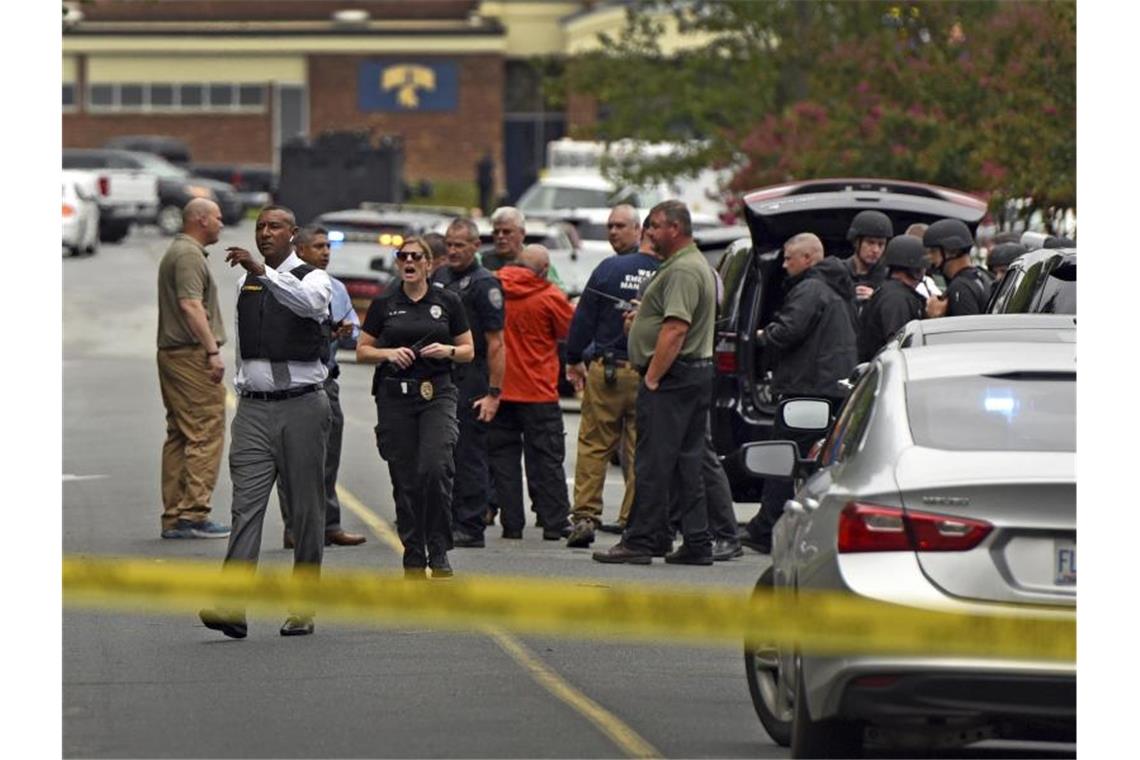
[(1038, 282), (753, 276)]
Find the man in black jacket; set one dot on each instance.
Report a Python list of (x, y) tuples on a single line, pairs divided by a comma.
[(812, 338), (948, 243), (896, 302)]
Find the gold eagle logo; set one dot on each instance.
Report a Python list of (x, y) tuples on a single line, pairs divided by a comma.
[(406, 79)]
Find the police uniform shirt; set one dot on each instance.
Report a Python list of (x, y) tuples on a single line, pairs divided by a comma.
[(968, 292), (482, 298), (395, 320), (308, 297)]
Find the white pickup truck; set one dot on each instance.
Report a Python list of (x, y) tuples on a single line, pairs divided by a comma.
[(126, 195)]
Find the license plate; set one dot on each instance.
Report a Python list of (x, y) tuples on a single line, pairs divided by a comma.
[(1066, 563)]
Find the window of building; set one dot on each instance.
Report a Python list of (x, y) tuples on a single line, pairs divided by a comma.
[(143, 97), (191, 95), (251, 95), (68, 95), (162, 96), (102, 96), (221, 95), (131, 96)]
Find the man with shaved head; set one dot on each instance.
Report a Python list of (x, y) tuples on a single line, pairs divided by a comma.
[(528, 422), (812, 344), (190, 371)]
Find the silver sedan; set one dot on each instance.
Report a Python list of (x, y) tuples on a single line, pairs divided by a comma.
[(948, 482)]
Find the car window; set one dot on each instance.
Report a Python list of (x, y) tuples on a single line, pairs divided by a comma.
[(115, 161), (1021, 298), (1010, 412), (1013, 335), (848, 429), (1057, 297), (83, 161), (593, 231), (732, 269), (1006, 286)]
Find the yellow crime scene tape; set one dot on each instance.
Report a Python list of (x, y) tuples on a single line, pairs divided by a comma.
[(824, 623)]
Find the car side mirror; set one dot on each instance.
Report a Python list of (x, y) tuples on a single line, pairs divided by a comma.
[(806, 415), (771, 459)]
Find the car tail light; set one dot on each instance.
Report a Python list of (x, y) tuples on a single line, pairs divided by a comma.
[(725, 353), (68, 209), (363, 288), (874, 528), (104, 186)]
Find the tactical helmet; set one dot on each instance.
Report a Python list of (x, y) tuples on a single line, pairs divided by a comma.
[(949, 235), (1059, 242), (1004, 254), (873, 224), (905, 252)]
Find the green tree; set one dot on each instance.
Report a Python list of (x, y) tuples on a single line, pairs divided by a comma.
[(979, 95)]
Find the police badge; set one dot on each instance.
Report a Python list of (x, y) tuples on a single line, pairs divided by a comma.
[(435, 311), (426, 390)]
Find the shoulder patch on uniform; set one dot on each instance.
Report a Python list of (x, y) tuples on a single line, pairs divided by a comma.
[(495, 296)]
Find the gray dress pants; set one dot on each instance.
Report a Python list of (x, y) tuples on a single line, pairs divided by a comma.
[(332, 465), (271, 440)]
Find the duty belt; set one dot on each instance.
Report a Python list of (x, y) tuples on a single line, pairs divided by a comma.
[(679, 362), (281, 395)]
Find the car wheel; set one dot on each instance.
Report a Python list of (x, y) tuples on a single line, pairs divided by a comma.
[(169, 220), (113, 233), (832, 737), (762, 667)]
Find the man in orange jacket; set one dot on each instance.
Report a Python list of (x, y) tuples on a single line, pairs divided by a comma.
[(529, 421)]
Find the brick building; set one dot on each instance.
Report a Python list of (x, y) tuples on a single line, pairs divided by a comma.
[(235, 79)]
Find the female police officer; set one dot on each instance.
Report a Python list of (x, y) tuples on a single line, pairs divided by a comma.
[(415, 332)]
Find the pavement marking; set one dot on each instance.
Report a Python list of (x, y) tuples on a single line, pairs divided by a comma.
[(626, 739), (374, 521), (619, 733)]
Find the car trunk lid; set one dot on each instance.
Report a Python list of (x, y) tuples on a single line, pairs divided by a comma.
[(1030, 500), (826, 208)]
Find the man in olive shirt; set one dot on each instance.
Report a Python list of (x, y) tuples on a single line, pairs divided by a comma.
[(671, 345), (190, 370)]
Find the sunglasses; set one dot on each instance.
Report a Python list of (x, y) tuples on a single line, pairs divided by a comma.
[(413, 255)]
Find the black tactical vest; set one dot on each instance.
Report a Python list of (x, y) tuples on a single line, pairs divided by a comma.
[(269, 330)]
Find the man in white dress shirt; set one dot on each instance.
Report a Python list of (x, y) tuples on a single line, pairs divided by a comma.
[(282, 420)]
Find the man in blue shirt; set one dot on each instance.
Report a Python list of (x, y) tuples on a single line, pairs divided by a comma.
[(312, 246), (597, 360)]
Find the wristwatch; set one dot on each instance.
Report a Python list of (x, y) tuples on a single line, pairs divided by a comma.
[(494, 392)]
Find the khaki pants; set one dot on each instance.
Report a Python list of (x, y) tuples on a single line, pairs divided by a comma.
[(608, 418), (195, 434)]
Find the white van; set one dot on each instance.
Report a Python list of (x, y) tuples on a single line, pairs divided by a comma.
[(573, 181)]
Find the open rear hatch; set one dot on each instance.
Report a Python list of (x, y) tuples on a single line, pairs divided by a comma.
[(827, 206)]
